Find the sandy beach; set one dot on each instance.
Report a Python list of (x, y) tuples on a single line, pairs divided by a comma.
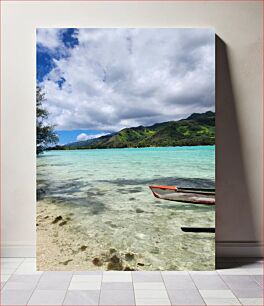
[(61, 246), (64, 242)]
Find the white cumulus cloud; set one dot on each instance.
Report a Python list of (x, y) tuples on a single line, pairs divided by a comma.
[(118, 78), (84, 136), (48, 38)]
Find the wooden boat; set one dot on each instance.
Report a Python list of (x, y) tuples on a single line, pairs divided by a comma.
[(186, 195)]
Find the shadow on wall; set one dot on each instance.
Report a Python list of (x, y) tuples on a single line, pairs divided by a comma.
[(234, 215)]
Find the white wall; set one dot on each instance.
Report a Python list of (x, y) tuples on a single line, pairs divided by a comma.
[(239, 106)]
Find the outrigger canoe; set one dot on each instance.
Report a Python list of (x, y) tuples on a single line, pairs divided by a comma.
[(186, 195)]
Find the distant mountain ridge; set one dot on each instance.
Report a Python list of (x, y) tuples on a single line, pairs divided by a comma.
[(197, 129)]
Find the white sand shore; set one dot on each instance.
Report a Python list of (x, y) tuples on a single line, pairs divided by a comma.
[(70, 237), (61, 246)]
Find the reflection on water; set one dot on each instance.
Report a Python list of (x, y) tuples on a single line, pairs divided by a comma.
[(106, 195)]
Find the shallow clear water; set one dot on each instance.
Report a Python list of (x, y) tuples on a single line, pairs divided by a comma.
[(106, 192)]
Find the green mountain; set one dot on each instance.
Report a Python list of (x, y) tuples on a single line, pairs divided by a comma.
[(197, 129)]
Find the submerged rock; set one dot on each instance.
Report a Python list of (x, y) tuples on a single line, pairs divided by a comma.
[(97, 262), (83, 247), (127, 268), (57, 219), (115, 266), (115, 263), (62, 223), (139, 211), (115, 259), (140, 264), (129, 256), (65, 263), (112, 250)]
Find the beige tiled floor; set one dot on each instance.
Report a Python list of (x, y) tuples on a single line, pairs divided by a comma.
[(239, 282)]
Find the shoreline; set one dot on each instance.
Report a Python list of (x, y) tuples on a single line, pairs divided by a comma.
[(58, 248), (64, 244), (150, 147)]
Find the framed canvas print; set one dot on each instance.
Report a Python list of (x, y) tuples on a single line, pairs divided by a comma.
[(125, 149)]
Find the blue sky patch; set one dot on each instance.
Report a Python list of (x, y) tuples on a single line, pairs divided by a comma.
[(69, 38), (60, 82), (45, 63), (46, 56), (68, 136)]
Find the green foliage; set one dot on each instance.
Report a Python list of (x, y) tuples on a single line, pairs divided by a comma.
[(198, 129), (45, 132)]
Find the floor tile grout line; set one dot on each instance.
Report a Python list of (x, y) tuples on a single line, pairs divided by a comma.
[(35, 287), (67, 289), (23, 263), (102, 275), (15, 268), (251, 298), (14, 263), (147, 289), (252, 276), (12, 272), (196, 287), (2, 290), (231, 288), (166, 288), (10, 275), (18, 262), (220, 275), (237, 296), (134, 293)]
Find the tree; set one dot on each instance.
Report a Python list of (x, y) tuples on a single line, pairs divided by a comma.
[(45, 131)]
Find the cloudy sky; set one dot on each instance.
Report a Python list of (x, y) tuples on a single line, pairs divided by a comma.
[(98, 81)]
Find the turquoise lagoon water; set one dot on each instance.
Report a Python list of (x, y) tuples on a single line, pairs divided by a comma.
[(106, 193)]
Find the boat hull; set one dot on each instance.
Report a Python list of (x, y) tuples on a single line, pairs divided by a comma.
[(184, 195)]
